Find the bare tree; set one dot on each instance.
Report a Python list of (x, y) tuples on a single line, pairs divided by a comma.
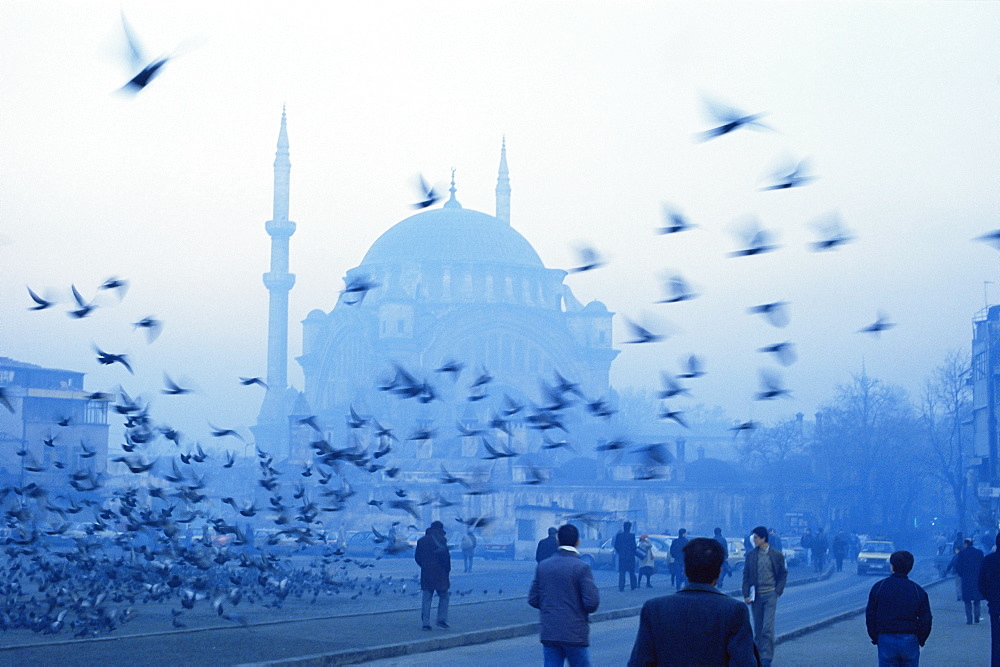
[(768, 445), (945, 405), (868, 444)]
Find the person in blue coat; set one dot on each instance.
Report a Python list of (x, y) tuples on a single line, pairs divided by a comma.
[(564, 593)]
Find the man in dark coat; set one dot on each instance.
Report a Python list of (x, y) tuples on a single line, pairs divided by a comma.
[(839, 548), (699, 625), (434, 560), (764, 577), (677, 557), (967, 563), (898, 615), (546, 546), (564, 593), (819, 546), (726, 567), (625, 550), (989, 588)]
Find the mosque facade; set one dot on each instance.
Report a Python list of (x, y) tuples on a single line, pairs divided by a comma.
[(450, 333)]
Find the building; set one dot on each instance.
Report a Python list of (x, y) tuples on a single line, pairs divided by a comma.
[(985, 404), (51, 424)]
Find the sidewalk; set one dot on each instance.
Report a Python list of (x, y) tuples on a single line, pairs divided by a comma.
[(952, 642)]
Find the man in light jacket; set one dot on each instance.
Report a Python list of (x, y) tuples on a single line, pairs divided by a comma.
[(764, 573), (564, 593)]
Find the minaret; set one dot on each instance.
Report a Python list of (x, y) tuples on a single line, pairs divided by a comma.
[(503, 186), (271, 431), (278, 280)]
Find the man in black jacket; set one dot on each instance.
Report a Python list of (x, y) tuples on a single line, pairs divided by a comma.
[(625, 550), (435, 567), (677, 558), (700, 625), (546, 546), (989, 588), (898, 614)]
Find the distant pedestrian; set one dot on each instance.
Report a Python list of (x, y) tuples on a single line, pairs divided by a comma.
[(699, 625), (819, 546), (839, 548), (764, 577), (564, 593), (434, 560), (967, 565), (677, 557), (468, 546), (773, 539), (625, 551), (898, 615), (647, 560), (806, 542), (989, 588), (726, 567), (956, 546), (546, 546)]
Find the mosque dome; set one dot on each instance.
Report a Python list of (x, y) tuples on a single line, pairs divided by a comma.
[(452, 235)]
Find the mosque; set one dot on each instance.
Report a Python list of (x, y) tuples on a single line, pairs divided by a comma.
[(450, 285), (458, 323)]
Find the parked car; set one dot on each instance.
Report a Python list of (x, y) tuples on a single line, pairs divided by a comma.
[(874, 556), (601, 555), (496, 548)]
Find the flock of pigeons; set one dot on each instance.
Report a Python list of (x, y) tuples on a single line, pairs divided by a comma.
[(84, 556)]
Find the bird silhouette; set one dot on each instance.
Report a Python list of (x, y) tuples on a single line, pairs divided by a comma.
[(755, 240), (589, 259), (106, 359), (40, 303), (776, 312), (673, 221), (833, 234), (356, 288), (784, 352), (729, 119), (642, 334), (789, 176), (677, 290), (246, 382), (117, 284), (146, 69), (429, 195), (694, 367), (151, 326), (84, 307), (172, 388), (770, 386), (992, 238), (881, 324)]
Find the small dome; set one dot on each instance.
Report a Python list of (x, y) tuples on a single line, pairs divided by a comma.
[(452, 234)]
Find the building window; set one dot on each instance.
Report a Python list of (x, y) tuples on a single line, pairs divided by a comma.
[(400, 326), (526, 529)]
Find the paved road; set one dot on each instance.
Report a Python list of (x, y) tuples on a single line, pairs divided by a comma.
[(611, 641)]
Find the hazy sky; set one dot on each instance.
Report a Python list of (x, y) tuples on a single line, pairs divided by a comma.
[(893, 104)]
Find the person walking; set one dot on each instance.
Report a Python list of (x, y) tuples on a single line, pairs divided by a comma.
[(989, 588), (819, 545), (564, 593), (434, 560), (967, 565), (625, 551), (773, 539), (764, 577), (839, 549), (898, 615), (726, 567), (647, 560), (677, 557), (956, 546), (546, 546), (806, 542), (468, 546), (700, 625)]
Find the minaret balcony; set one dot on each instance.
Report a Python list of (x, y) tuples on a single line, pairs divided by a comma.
[(280, 228), (279, 281)]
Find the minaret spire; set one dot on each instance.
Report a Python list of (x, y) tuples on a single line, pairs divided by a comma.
[(278, 280), (503, 186)]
